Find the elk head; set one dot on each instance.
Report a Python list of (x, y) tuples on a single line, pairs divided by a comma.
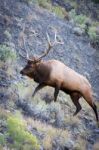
[(33, 62)]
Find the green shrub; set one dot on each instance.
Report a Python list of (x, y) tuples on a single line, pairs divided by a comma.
[(22, 139), (78, 19), (44, 3), (72, 13), (7, 33), (2, 139), (6, 53), (92, 33), (58, 11)]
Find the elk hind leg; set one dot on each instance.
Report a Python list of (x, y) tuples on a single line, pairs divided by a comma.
[(89, 99), (75, 99)]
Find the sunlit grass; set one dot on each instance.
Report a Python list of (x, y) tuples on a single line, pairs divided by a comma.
[(50, 133)]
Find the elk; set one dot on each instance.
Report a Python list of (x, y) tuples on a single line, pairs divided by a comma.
[(56, 74)]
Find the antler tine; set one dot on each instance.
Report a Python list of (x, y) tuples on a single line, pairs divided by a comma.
[(24, 47), (50, 45), (56, 41), (48, 49), (27, 55), (48, 38)]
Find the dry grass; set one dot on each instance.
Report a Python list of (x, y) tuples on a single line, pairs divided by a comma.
[(72, 120), (96, 146), (43, 127), (50, 133), (1, 64), (80, 144), (25, 90), (4, 113), (47, 142)]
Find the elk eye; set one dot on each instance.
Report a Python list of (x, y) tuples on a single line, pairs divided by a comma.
[(31, 65)]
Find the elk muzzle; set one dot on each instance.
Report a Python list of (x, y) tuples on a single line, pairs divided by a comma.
[(22, 72)]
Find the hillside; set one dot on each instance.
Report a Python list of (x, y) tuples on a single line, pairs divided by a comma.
[(28, 123)]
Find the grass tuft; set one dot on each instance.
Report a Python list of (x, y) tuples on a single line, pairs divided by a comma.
[(21, 137), (6, 53)]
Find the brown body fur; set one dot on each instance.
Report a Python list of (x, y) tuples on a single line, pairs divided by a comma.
[(55, 74)]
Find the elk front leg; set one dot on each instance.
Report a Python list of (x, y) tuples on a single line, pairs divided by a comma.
[(75, 99), (40, 86), (57, 88)]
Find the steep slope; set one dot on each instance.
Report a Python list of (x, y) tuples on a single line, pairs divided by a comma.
[(45, 119)]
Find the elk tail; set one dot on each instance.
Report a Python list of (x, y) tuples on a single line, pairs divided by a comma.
[(96, 113)]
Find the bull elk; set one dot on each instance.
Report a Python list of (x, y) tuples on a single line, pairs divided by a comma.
[(56, 74)]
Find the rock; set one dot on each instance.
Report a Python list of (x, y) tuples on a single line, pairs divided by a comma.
[(88, 23), (69, 144), (3, 98), (78, 31), (10, 140), (97, 30), (2, 126)]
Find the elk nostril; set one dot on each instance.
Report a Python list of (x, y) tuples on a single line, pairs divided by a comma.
[(21, 72)]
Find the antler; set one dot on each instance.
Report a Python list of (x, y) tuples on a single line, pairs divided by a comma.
[(50, 45), (22, 36)]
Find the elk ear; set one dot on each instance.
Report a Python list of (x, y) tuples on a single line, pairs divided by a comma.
[(36, 60), (29, 61)]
